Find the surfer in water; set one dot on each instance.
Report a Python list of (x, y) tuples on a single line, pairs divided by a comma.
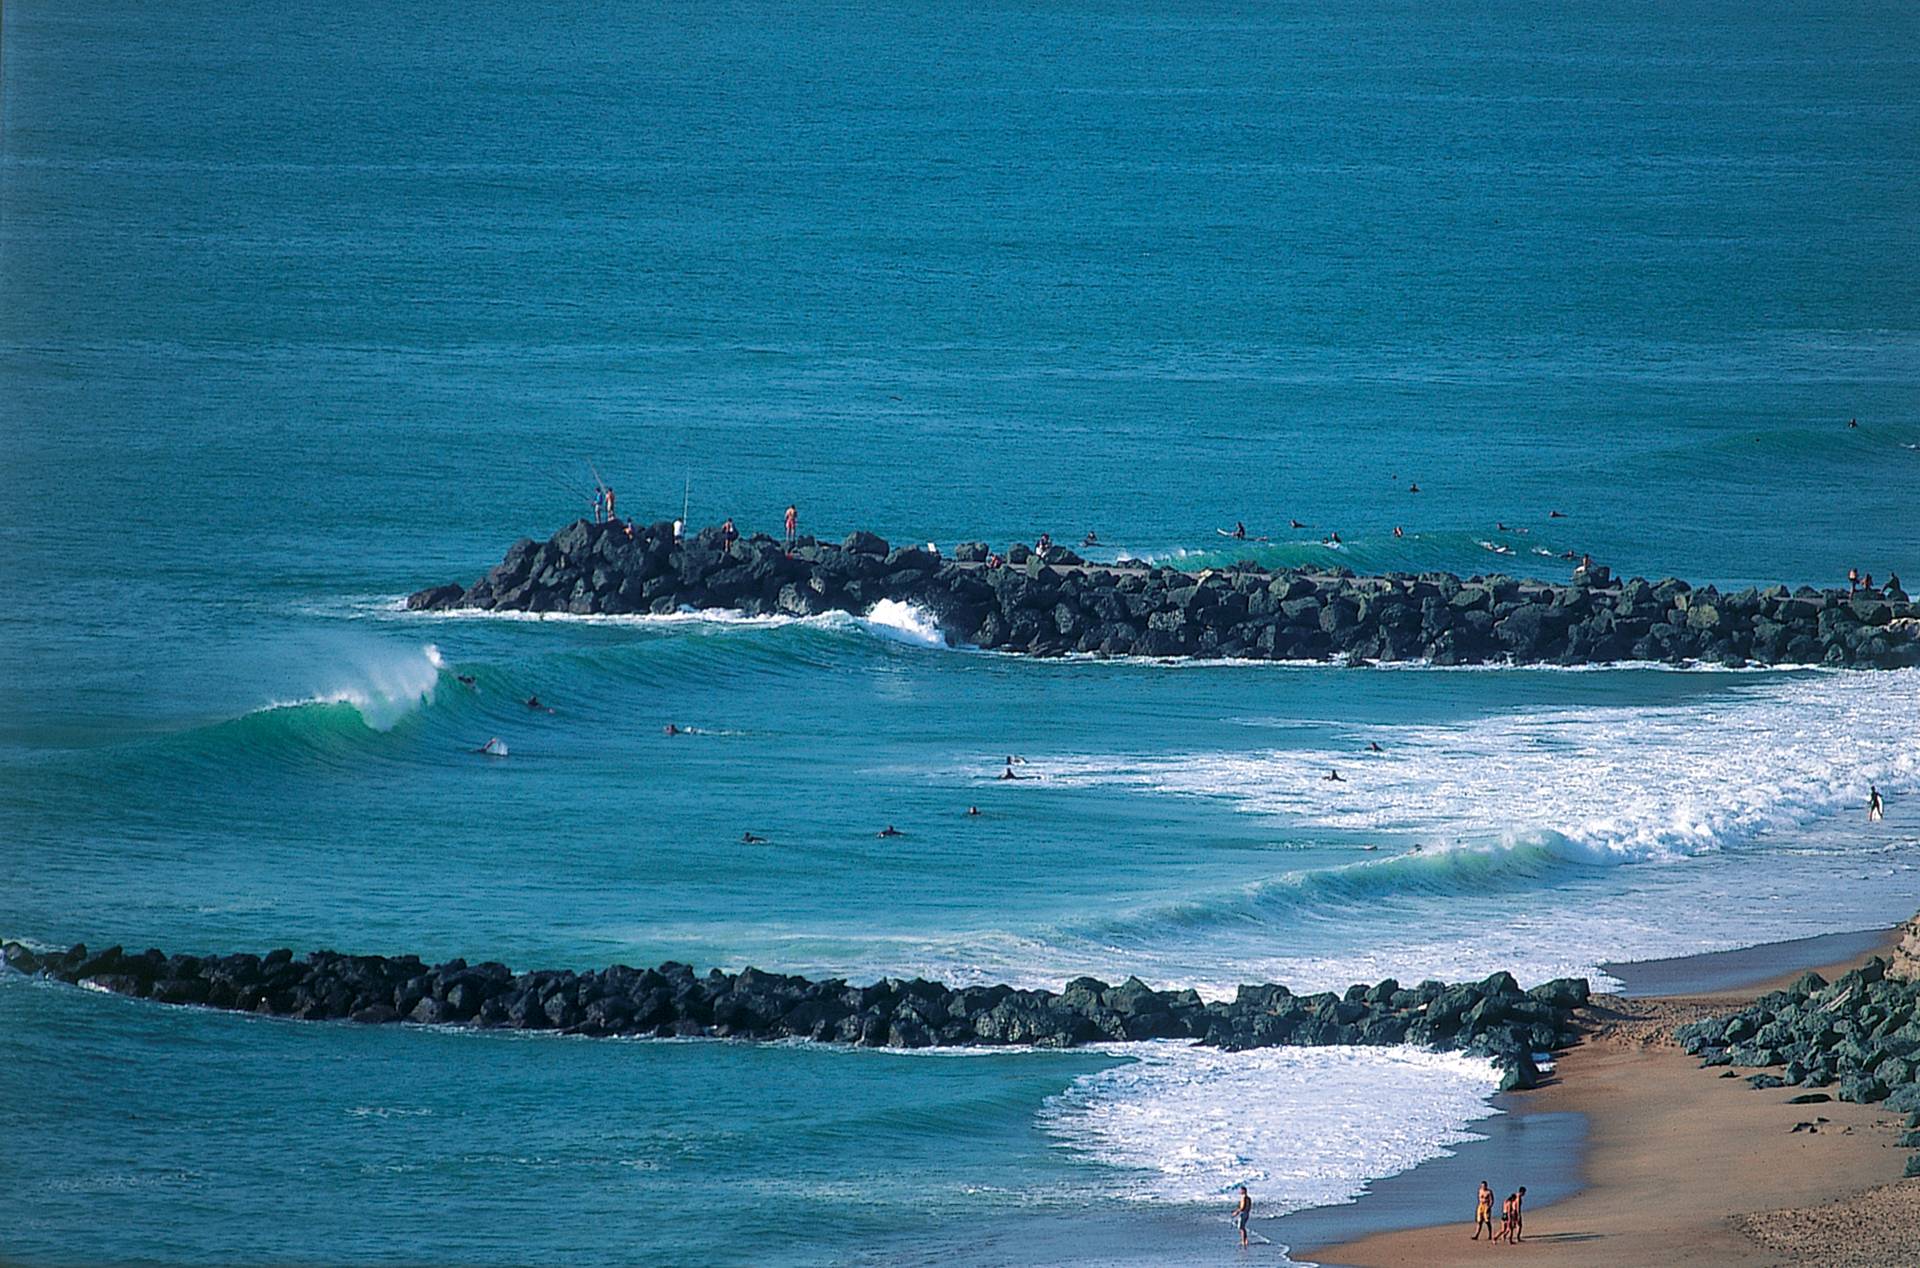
[(1239, 531), (1333, 777), (1414, 487), (465, 680), (1555, 515), (748, 838), (973, 812), (1373, 746), (1241, 1211), (1333, 539), (495, 747), (1295, 524), (537, 705), (890, 831), (1398, 531), (670, 729), (1008, 772), (1876, 809), (1091, 539)]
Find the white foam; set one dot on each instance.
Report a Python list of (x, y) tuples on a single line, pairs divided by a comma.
[(904, 623), (382, 684), (1590, 784), (1299, 1127)]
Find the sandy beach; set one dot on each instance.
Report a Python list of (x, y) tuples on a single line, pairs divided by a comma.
[(1687, 1165)]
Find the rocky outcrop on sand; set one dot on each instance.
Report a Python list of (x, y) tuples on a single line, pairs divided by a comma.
[(1055, 603), (1493, 1017), (1859, 1035)]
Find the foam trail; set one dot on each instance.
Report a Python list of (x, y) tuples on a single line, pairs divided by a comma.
[(1299, 1126), (1592, 785)]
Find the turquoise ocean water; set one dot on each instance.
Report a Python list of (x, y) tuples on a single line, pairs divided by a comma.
[(302, 310)]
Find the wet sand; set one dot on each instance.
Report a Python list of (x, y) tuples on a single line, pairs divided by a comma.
[(1682, 1165)]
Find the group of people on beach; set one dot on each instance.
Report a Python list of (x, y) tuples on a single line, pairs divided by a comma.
[(1509, 1216)]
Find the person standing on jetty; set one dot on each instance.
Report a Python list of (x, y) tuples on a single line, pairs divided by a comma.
[(1241, 1211), (1483, 1213), (728, 534), (793, 527)]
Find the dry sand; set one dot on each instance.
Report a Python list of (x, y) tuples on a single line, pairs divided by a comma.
[(1686, 1167)]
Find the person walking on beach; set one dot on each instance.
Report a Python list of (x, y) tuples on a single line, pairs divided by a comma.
[(1519, 1200), (793, 527), (1483, 1213), (1241, 1210), (1876, 809), (1506, 1220)]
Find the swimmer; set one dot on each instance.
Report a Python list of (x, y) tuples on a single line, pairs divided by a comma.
[(973, 812), (534, 702), (465, 680), (1091, 539), (748, 838), (670, 729), (1295, 524), (1852, 423), (495, 747), (1398, 531), (1008, 773), (1333, 777), (1373, 746), (1414, 487), (1555, 515), (890, 831)]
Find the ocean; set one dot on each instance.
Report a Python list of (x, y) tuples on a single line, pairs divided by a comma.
[(301, 310)]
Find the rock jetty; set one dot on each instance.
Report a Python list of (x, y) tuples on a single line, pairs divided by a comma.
[(1494, 1018), (1055, 603), (1859, 1035)]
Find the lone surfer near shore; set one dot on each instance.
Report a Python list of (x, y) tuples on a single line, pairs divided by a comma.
[(1239, 531), (890, 831), (748, 838), (1008, 772), (1876, 809), (495, 747), (1333, 777), (1242, 1210), (538, 705)]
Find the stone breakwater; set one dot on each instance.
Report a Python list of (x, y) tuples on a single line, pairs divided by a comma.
[(1055, 603), (1859, 1035), (1494, 1018)]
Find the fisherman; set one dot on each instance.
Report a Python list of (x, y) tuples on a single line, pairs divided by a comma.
[(679, 529), (1876, 809), (1894, 590), (1044, 545), (1241, 1211), (793, 527), (994, 561), (728, 534), (1586, 566), (1853, 580), (610, 515)]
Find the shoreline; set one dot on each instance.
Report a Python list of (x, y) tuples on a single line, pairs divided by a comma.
[(1669, 1168)]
